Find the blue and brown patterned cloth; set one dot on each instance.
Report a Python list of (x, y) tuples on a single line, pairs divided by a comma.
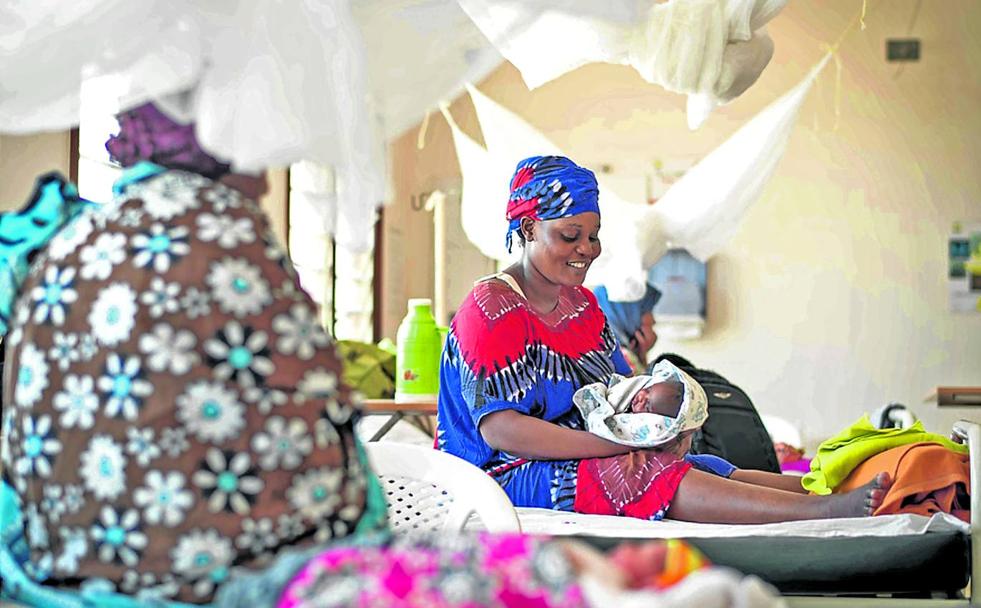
[(25, 232), (176, 415)]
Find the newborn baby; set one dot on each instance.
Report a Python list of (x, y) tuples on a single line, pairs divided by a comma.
[(644, 411), (661, 398)]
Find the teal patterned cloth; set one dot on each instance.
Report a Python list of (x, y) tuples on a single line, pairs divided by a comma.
[(18, 586), (22, 233)]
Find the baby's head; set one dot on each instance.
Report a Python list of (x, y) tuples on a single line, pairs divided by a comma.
[(664, 398), (645, 411)]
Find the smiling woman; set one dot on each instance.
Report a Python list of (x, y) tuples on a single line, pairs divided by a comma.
[(554, 210), (526, 339), (541, 335), (559, 252)]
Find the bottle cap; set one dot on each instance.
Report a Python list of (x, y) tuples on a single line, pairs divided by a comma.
[(416, 302)]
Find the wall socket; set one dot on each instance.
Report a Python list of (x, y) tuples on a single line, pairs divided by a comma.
[(903, 49)]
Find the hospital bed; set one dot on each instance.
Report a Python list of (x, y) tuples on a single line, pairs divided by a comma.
[(914, 560), (896, 560)]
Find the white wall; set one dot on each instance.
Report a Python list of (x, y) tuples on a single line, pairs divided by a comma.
[(831, 299), (24, 158)]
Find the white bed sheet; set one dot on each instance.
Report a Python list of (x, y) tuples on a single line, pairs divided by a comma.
[(561, 523)]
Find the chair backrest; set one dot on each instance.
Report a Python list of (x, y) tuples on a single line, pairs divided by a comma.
[(429, 490)]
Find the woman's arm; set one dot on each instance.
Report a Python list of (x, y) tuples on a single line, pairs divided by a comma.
[(535, 439)]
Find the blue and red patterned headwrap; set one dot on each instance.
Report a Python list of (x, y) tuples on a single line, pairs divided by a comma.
[(547, 188)]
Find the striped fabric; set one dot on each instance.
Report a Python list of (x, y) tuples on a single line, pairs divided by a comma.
[(499, 355)]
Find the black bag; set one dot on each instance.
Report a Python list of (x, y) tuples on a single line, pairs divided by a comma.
[(734, 430)]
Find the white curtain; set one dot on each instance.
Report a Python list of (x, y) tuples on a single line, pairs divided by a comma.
[(418, 54), (268, 82), (712, 50), (272, 82), (700, 212)]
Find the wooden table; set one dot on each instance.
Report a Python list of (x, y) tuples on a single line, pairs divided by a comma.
[(396, 412), (959, 395)]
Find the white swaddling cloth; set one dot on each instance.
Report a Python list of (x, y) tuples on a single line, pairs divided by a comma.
[(606, 408)]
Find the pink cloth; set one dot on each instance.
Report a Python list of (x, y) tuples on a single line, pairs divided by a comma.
[(510, 570), (803, 465)]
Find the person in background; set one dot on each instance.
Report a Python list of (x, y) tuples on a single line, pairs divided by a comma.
[(177, 411), (632, 323)]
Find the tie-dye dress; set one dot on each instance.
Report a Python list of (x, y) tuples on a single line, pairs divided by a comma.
[(502, 355)]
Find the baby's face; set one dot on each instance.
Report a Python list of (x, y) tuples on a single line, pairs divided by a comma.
[(662, 398)]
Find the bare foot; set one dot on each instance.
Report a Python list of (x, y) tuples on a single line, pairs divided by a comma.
[(862, 501)]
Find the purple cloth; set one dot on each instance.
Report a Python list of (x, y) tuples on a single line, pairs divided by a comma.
[(803, 465), (146, 133), (505, 570)]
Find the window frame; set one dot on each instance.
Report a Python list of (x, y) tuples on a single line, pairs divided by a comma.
[(376, 264)]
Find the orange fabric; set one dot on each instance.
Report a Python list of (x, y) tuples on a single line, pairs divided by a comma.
[(925, 478), (680, 560)]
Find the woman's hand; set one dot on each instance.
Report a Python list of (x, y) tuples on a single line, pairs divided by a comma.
[(644, 338), (535, 439)]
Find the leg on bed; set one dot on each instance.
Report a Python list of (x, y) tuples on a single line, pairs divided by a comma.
[(707, 498)]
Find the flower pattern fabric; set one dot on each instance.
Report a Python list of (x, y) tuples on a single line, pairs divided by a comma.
[(54, 205), (175, 413), (507, 570)]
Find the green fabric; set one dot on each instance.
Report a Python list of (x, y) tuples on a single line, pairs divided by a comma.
[(367, 368), (839, 455)]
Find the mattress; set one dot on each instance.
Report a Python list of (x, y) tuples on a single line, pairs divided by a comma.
[(915, 564), (895, 554), (558, 523)]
